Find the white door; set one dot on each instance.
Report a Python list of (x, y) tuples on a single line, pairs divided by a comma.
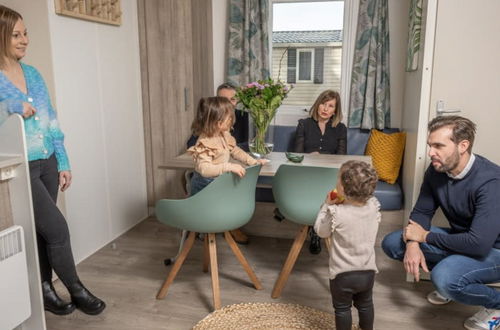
[(460, 70), (466, 70)]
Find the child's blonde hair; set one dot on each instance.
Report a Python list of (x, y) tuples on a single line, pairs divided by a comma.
[(358, 180), (211, 111)]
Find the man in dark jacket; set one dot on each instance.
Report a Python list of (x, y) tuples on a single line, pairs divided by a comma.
[(466, 256)]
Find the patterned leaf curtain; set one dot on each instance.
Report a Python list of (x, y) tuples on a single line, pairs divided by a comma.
[(370, 86), (248, 56)]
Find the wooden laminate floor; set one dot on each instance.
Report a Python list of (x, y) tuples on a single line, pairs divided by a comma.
[(128, 273)]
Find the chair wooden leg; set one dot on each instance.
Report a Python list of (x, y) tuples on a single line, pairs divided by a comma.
[(242, 260), (328, 243), (214, 270), (206, 255), (290, 262), (177, 266)]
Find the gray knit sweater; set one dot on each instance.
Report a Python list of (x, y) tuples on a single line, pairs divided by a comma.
[(352, 230)]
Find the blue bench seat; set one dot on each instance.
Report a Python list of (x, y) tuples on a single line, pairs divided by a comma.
[(389, 195)]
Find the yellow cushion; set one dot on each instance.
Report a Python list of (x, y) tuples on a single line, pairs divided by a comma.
[(387, 153)]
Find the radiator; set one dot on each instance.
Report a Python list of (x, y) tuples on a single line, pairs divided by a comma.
[(14, 286)]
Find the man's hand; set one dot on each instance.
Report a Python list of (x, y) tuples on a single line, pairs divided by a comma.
[(414, 259), (414, 232), (64, 180)]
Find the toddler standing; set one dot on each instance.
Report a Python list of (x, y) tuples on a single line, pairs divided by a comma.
[(351, 221), (215, 145)]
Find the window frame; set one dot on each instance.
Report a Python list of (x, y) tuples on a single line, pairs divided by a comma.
[(351, 8), (311, 69)]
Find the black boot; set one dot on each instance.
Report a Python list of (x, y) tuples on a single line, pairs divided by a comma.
[(315, 243), (53, 303), (84, 300)]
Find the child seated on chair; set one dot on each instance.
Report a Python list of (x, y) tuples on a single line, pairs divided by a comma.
[(351, 222), (215, 145)]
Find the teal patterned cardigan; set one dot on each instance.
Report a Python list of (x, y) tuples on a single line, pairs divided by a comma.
[(43, 135)]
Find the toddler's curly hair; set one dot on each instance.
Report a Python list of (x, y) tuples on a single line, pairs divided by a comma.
[(358, 180)]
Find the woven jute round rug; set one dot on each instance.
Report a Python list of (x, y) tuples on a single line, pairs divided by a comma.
[(267, 316)]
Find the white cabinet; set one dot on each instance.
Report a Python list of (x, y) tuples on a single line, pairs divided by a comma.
[(17, 209)]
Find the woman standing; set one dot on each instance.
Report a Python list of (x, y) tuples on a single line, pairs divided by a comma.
[(322, 133), (23, 91)]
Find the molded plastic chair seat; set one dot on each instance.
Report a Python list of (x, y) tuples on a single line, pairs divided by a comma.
[(299, 192), (227, 203)]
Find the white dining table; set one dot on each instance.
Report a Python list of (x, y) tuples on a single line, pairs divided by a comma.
[(276, 159)]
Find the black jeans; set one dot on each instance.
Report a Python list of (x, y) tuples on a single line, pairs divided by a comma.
[(54, 247), (350, 287)]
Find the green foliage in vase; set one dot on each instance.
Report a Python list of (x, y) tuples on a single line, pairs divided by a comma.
[(262, 99)]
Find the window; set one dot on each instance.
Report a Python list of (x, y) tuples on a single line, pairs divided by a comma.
[(308, 48), (305, 65)]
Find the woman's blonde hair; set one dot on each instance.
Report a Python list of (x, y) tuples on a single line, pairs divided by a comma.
[(211, 111), (324, 97), (358, 180), (8, 19)]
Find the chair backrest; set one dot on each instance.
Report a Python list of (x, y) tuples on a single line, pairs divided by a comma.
[(225, 204), (300, 190)]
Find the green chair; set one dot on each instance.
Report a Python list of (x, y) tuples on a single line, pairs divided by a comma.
[(299, 192), (225, 204)]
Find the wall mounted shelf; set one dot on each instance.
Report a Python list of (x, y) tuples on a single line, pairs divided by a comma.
[(102, 11)]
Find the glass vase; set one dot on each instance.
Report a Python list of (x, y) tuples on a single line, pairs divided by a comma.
[(261, 136)]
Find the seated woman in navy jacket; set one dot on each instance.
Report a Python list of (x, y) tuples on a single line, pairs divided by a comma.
[(322, 133)]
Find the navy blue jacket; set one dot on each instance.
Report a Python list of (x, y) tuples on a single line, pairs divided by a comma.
[(308, 137), (471, 206)]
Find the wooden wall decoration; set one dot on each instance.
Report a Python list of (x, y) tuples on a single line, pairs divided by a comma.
[(102, 11)]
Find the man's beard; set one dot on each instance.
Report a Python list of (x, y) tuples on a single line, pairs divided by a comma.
[(449, 164)]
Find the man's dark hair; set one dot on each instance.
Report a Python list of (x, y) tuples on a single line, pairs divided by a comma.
[(225, 86), (462, 128)]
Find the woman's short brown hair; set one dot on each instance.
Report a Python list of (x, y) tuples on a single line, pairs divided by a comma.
[(358, 180), (324, 97), (8, 19), (211, 111)]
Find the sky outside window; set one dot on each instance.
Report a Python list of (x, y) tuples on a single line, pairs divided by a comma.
[(308, 16)]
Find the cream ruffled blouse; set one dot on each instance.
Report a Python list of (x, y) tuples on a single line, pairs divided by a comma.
[(212, 155)]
